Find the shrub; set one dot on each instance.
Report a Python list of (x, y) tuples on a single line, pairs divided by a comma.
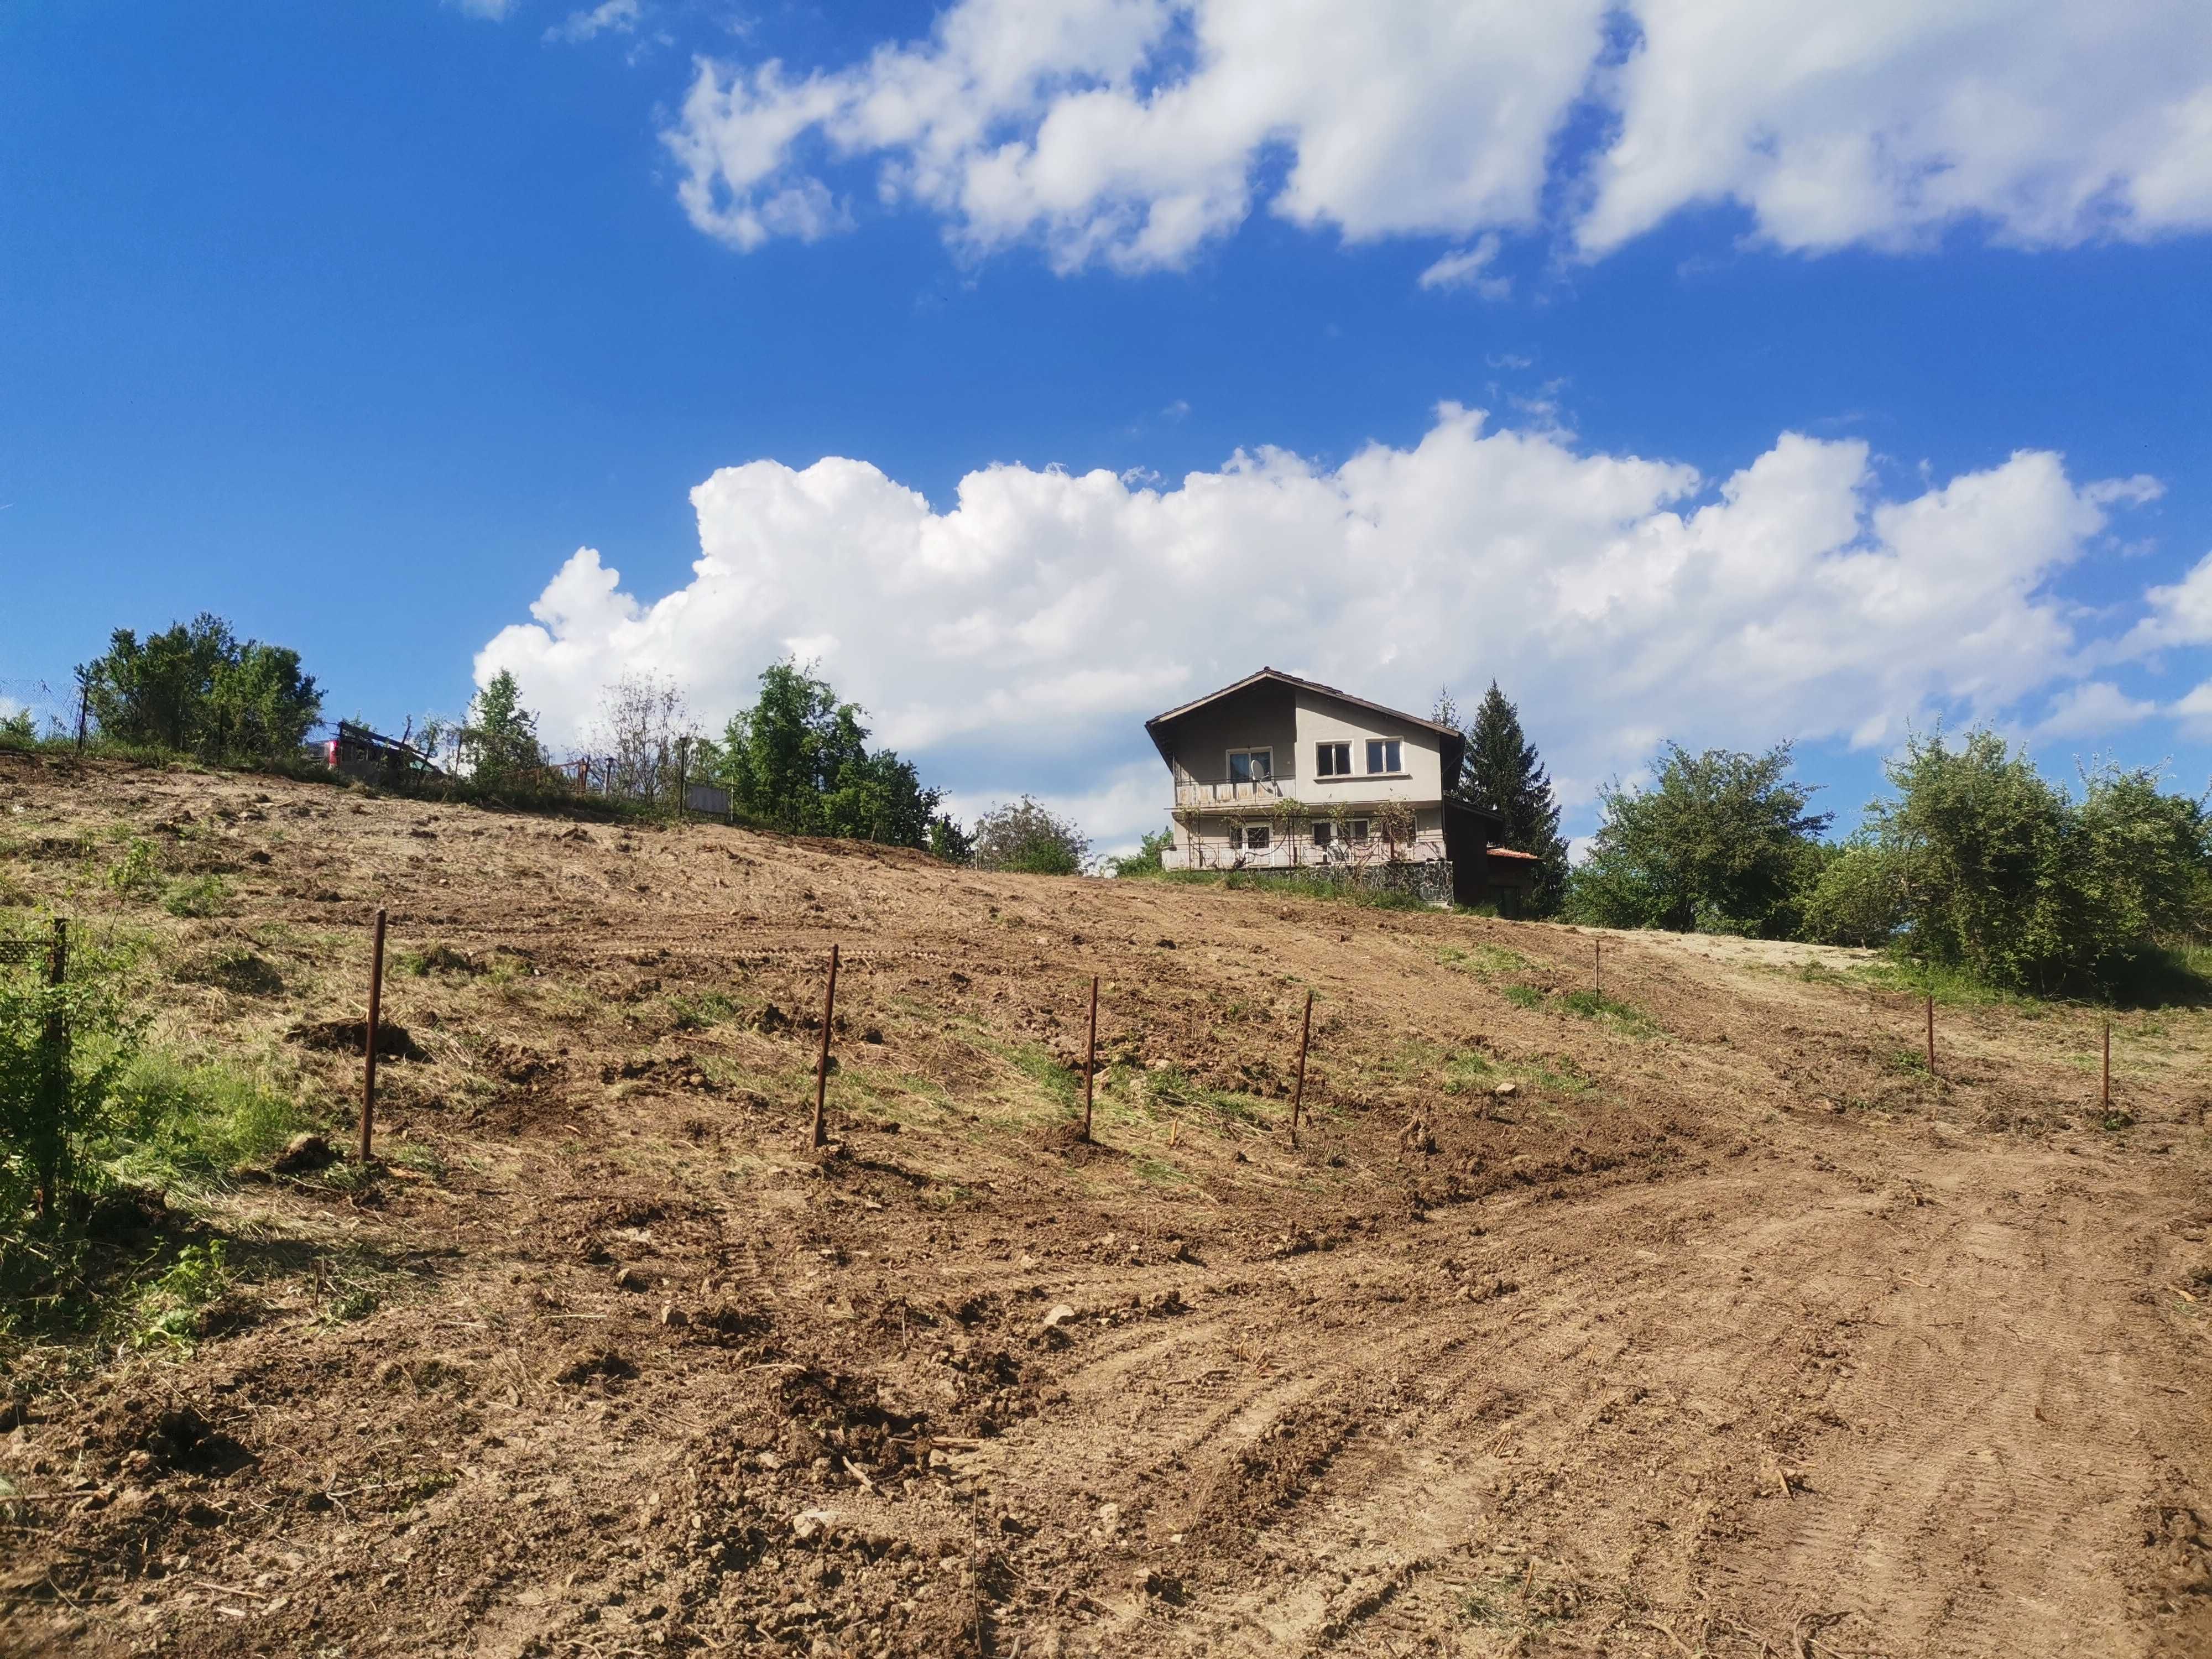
[(1146, 860), (2005, 876), (1858, 899), (1025, 837), (1720, 843)]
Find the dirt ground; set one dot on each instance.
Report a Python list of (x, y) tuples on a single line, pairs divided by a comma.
[(1701, 1321)]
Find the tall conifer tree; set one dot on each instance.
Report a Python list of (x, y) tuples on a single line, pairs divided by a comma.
[(1502, 775)]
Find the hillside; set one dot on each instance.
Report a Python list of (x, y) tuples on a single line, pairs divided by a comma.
[(1696, 1319)]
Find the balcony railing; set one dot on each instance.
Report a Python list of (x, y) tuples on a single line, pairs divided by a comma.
[(1189, 792)]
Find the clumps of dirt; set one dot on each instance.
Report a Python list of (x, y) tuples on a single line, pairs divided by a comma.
[(1271, 1472), (676, 1072), (848, 1423), (347, 1036), (303, 1154), (230, 968), (153, 1439), (744, 1556), (512, 1063), (599, 1366), (129, 1215), (441, 959)]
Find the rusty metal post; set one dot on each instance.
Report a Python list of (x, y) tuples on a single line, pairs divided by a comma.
[(822, 1060), (1598, 945), (1091, 1057), (368, 1042), (2107, 1095), (1299, 1094), (53, 1160), (84, 707), (1931, 1034)]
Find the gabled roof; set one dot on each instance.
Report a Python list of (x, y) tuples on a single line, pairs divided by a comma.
[(1303, 685)]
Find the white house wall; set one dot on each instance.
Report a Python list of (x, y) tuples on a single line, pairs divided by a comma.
[(1322, 719)]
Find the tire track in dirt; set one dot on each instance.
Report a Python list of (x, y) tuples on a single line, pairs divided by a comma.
[(1578, 1446)]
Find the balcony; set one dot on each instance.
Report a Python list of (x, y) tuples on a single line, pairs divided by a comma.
[(1189, 792)]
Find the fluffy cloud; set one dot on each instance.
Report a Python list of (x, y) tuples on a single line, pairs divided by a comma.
[(1883, 123), (1020, 638), (1131, 132), (2179, 615)]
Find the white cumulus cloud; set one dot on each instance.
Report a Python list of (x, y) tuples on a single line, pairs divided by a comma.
[(1131, 132), (1019, 637), (2180, 614), (1885, 122)]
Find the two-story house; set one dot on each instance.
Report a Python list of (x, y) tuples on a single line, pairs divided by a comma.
[(1278, 772)]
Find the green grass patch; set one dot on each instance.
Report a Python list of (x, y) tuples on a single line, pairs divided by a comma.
[(178, 1123), (168, 1309), (697, 1013), (1310, 887), (1523, 995), (1062, 1086), (197, 896), (1160, 1172), (1606, 1011), (436, 959)]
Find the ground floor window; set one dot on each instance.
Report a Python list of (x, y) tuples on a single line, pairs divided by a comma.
[(1252, 837), (1331, 831)]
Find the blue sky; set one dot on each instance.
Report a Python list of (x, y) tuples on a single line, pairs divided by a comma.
[(356, 324)]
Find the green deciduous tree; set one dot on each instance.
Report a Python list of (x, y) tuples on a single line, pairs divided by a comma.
[(2005, 875), (1719, 842), (798, 760), (1502, 775), (500, 740), (197, 689)]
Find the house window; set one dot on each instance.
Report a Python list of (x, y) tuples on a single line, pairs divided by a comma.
[(1255, 838), (1332, 760), (1251, 765), (1383, 755), (1321, 832), (1355, 830), (1325, 831)]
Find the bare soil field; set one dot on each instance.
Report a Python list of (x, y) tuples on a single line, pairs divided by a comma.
[(1700, 1321)]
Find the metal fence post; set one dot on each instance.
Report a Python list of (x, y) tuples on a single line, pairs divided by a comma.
[(53, 1160), (1091, 1057), (368, 1042), (822, 1060), (1298, 1095)]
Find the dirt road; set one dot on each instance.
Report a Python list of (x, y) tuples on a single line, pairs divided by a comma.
[(1697, 1321)]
